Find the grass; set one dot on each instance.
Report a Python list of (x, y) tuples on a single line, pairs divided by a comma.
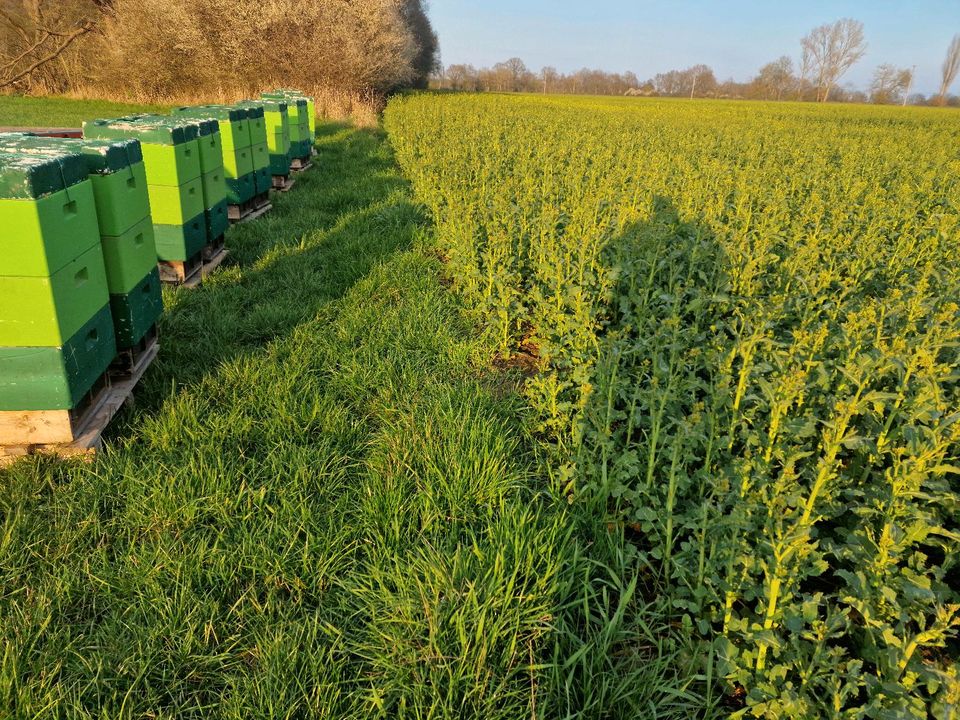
[(26, 111), (325, 504)]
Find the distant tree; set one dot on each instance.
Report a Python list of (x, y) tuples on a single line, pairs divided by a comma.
[(776, 78), (549, 77), (671, 83), (700, 78), (517, 69), (426, 57), (461, 77), (830, 50), (890, 84), (949, 70)]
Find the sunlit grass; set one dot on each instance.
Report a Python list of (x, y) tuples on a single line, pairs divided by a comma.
[(321, 508)]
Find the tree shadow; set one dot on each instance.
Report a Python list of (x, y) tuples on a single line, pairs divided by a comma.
[(342, 218)]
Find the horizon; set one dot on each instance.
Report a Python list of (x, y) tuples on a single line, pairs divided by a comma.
[(735, 39)]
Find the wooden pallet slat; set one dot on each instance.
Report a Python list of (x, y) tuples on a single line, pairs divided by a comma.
[(301, 164), (72, 433), (283, 183), (251, 209)]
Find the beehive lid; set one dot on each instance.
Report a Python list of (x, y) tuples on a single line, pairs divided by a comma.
[(254, 109), (25, 175), (267, 104), (150, 129), (207, 126), (102, 157), (231, 113), (288, 97), (196, 126)]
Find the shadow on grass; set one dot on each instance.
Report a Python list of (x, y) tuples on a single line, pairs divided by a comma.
[(343, 217)]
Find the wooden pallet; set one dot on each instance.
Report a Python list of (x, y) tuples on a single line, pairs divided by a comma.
[(209, 265), (214, 248), (191, 273), (181, 272), (72, 433), (283, 183), (251, 209), (127, 361), (301, 164), (47, 132)]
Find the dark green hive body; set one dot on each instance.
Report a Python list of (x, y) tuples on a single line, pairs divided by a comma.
[(57, 378), (134, 313)]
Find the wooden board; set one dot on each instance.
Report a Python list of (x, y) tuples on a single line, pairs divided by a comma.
[(251, 209), (283, 183), (301, 164), (180, 272), (206, 269), (59, 432), (46, 132)]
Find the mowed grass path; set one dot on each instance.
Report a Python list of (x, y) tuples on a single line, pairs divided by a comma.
[(25, 111), (324, 505)]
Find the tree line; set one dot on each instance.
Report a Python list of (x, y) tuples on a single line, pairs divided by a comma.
[(826, 54), (178, 49)]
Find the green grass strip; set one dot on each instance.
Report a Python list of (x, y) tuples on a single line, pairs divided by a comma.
[(323, 505)]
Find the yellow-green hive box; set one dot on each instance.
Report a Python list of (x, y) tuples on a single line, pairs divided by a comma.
[(171, 152), (311, 105), (211, 149), (232, 120), (47, 213), (115, 170), (48, 311), (129, 257)]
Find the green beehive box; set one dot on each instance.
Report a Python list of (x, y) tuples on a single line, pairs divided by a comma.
[(263, 178), (214, 188), (121, 198), (115, 169), (180, 242), (277, 122), (211, 149), (48, 311), (237, 162), (280, 155), (311, 106), (128, 257), (255, 122), (241, 189), (233, 122), (57, 378), (175, 205), (261, 156), (47, 213), (301, 138), (217, 220), (136, 311), (170, 148)]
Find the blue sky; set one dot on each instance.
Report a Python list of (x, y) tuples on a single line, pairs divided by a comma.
[(734, 37)]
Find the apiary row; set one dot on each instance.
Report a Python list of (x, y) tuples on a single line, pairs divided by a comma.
[(89, 226)]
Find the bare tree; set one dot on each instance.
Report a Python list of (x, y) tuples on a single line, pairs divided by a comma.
[(703, 81), (35, 34), (517, 69), (890, 84), (549, 76), (776, 78), (460, 76), (830, 50), (951, 66)]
